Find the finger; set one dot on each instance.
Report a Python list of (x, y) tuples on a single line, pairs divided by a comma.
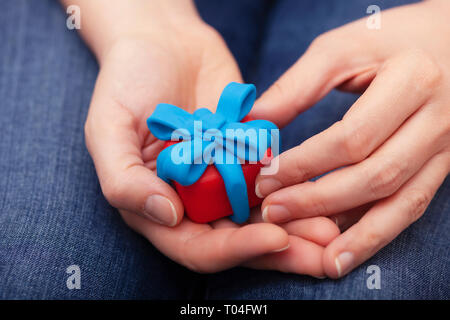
[(331, 59), (204, 249), (115, 146), (386, 219), (402, 86), (379, 176), (302, 257), (320, 230)]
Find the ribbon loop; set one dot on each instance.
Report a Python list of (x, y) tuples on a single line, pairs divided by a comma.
[(236, 101), (167, 118)]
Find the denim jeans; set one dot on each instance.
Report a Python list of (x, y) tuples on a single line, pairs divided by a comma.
[(53, 214)]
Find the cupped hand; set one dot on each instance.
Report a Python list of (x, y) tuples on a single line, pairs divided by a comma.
[(189, 69), (392, 147)]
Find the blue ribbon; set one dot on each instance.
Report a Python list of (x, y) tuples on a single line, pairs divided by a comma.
[(199, 138)]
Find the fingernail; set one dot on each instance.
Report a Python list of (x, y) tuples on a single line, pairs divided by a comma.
[(266, 186), (161, 210), (275, 213), (257, 192), (343, 262), (282, 249)]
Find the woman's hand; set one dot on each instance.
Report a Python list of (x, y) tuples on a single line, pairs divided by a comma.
[(392, 147), (180, 60), (137, 74), (187, 69)]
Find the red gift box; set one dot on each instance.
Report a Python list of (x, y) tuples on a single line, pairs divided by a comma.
[(206, 200)]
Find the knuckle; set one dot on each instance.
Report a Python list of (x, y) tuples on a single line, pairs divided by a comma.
[(326, 46), (315, 206), (278, 87), (428, 78), (373, 241), (355, 142), (432, 76), (426, 73), (416, 203), (318, 43), (207, 32), (387, 179), (301, 172), (322, 47), (281, 88)]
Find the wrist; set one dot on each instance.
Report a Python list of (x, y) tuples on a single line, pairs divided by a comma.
[(106, 22)]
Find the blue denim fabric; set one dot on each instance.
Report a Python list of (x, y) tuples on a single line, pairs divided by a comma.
[(52, 212)]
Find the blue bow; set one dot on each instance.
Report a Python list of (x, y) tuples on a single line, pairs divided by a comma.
[(206, 140)]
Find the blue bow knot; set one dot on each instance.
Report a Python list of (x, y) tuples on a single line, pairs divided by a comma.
[(213, 138)]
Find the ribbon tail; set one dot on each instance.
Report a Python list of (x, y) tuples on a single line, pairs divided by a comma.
[(250, 140), (236, 189)]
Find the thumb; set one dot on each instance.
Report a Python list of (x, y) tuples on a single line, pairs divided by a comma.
[(326, 64), (115, 146)]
